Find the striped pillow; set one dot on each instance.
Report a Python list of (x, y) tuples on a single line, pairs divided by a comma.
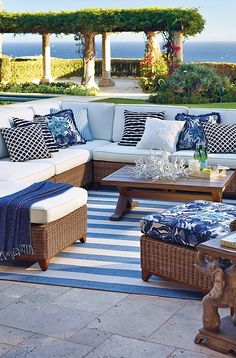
[(134, 126), (49, 140)]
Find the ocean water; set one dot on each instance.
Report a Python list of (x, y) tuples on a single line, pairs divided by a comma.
[(193, 51)]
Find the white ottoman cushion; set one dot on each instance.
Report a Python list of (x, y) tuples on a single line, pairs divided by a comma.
[(48, 210)]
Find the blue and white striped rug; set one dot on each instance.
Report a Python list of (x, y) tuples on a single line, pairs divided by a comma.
[(109, 260)]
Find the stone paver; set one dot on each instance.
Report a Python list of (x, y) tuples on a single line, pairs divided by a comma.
[(122, 347), (4, 284), (13, 293), (127, 317), (40, 346), (90, 300), (51, 321), (4, 348), (48, 319), (180, 331), (182, 353), (90, 336), (12, 336)]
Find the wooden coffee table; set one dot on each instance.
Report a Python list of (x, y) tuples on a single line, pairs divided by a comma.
[(182, 189)]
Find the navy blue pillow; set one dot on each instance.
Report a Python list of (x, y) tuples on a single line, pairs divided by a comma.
[(193, 132)]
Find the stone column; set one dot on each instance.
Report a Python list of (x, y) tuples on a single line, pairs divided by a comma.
[(178, 38), (153, 44), (46, 58), (89, 59), (106, 80)]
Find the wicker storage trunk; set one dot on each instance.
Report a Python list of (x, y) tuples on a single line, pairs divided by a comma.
[(172, 261), (49, 239)]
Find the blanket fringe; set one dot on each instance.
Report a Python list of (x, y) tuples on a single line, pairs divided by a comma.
[(22, 249)]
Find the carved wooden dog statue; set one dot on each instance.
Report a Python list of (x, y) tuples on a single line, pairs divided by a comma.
[(223, 292)]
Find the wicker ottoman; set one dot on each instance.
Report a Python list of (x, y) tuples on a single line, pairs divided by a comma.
[(57, 223), (170, 237)]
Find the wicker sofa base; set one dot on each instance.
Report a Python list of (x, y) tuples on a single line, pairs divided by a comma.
[(81, 175), (101, 169), (49, 239), (172, 261)]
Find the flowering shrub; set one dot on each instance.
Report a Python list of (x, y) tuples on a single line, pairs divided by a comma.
[(193, 84), (153, 71)]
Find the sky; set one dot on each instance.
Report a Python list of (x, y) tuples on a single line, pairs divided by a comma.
[(219, 15)]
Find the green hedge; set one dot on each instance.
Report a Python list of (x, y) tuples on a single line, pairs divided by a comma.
[(100, 20), (26, 70), (5, 69)]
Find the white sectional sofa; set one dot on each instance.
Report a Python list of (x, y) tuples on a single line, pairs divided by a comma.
[(90, 162)]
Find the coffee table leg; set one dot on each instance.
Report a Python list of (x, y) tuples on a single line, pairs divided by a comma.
[(124, 204), (217, 196)]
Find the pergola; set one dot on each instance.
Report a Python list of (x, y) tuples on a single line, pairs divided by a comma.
[(90, 22)]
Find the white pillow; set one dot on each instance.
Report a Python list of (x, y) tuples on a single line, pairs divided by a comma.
[(162, 135)]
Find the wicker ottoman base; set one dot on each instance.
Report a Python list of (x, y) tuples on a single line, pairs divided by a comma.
[(49, 239), (171, 261)]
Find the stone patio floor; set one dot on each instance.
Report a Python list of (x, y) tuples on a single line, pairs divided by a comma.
[(51, 321)]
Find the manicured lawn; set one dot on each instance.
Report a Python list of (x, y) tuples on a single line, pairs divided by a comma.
[(231, 105)]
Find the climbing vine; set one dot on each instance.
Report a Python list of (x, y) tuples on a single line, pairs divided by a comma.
[(101, 20), (170, 52)]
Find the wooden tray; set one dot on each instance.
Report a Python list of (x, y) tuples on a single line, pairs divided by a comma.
[(217, 173)]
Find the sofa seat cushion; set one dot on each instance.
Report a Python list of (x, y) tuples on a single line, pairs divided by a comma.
[(51, 209), (117, 153), (228, 159), (28, 172), (66, 159), (91, 146), (191, 223)]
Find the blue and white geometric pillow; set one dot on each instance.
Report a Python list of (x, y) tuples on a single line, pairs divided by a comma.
[(193, 131)]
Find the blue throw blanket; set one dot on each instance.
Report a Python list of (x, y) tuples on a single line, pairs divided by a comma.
[(15, 226)]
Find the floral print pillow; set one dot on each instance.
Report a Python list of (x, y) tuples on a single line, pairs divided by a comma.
[(193, 131), (61, 125)]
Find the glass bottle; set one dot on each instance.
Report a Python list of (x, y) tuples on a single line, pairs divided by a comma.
[(203, 156), (197, 153)]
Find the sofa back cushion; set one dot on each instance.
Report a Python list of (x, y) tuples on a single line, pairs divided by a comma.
[(6, 115), (228, 116), (118, 127), (42, 108), (100, 117)]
